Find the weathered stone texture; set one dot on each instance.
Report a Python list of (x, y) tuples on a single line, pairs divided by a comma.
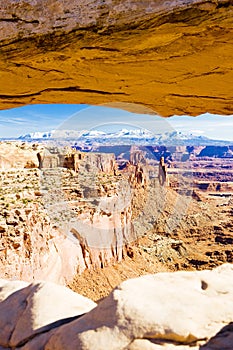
[(175, 57), (181, 310)]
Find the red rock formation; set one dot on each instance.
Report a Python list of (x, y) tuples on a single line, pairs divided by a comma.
[(162, 172)]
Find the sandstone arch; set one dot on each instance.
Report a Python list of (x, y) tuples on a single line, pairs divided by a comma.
[(175, 59)]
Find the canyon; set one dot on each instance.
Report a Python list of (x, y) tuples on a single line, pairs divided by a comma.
[(76, 213)]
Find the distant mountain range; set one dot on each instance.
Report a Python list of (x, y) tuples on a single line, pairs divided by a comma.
[(130, 136), (93, 134), (37, 135)]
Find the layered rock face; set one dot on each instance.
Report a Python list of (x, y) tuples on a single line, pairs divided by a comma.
[(31, 246), (57, 221), (173, 57), (71, 159), (99, 205), (19, 155), (181, 310)]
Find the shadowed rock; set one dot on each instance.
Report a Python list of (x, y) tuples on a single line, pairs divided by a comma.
[(35, 309)]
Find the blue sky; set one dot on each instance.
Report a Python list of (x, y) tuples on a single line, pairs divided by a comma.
[(19, 121)]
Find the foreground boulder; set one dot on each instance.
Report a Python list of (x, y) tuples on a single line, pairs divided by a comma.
[(36, 308), (183, 308), (180, 310)]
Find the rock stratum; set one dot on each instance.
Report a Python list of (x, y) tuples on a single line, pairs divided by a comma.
[(64, 212), (181, 310), (174, 57)]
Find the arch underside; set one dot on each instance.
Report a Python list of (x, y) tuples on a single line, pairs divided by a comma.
[(176, 60)]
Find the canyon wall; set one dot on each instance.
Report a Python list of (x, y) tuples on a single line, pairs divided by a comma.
[(59, 220)]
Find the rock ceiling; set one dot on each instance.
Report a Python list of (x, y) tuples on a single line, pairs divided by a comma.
[(175, 57)]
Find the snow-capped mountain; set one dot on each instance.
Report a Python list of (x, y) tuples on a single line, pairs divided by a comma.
[(123, 133), (134, 133), (53, 134), (141, 136), (37, 135), (92, 133)]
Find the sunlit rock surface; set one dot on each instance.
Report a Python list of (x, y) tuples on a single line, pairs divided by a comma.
[(175, 57), (57, 221)]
